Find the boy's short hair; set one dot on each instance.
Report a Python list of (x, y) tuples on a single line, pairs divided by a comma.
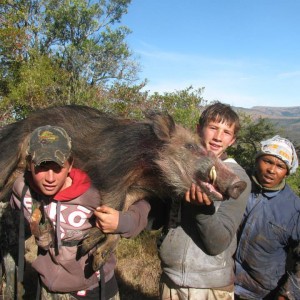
[(220, 112), (49, 143)]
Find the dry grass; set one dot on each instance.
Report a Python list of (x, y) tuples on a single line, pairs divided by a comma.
[(138, 268)]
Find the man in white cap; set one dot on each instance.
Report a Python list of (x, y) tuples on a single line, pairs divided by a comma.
[(270, 229)]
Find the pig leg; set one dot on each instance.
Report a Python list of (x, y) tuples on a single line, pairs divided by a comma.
[(105, 250), (96, 236)]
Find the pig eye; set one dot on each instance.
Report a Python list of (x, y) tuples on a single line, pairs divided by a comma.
[(191, 147)]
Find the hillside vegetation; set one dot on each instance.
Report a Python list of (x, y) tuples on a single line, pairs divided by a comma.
[(285, 119)]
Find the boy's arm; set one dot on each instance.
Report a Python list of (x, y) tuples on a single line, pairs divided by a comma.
[(218, 227), (128, 224)]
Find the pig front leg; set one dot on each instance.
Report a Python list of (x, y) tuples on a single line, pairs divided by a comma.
[(94, 237), (104, 251)]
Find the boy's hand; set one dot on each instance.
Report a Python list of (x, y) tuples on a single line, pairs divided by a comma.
[(195, 196), (107, 219)]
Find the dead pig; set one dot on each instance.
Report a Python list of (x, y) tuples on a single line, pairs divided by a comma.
[(126, 160)]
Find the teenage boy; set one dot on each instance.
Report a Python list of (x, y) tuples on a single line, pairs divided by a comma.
[(58, 201), (196, 256)]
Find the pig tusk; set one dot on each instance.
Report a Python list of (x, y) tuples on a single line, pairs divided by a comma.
[(213, 174)]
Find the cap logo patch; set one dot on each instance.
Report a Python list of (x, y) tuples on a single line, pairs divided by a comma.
[(48, 137)]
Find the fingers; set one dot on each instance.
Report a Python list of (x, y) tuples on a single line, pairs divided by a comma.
[(199, 195), (195, 196), (206, 199), (104, 209), (190, 194), (107, 218)]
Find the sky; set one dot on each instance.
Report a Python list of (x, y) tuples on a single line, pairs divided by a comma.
[(243, 52)]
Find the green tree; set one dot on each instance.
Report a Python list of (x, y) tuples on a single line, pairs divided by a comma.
[(252, 132), (83, 36), (80, 41), (123, 100), (134, 102), (13, 41), (184, 105), (294, 181)]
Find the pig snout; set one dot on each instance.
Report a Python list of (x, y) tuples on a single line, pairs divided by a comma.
[(235, 190)]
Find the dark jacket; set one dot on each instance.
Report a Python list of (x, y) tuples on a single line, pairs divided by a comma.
[(269, 231)]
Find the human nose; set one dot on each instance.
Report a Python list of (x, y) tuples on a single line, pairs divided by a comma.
[(218, 135), (271, 169), (50, 176)]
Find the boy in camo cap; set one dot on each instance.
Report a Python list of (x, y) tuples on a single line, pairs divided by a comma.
[(58, 201)]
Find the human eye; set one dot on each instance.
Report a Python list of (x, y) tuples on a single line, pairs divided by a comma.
[(266, 161), (281, 166), (56, 168), (212, 127), (227, 132), (41, 168)]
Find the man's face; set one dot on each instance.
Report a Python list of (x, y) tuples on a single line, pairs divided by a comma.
[(270, 170), (50, 178), (217, 137)]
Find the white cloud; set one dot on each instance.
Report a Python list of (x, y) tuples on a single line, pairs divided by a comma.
[(239, 82), (289, 75)]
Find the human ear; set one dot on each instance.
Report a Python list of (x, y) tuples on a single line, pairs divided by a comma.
[(71, 161), (232, 141)]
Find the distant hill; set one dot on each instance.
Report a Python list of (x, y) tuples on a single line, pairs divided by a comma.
[(285, 119)]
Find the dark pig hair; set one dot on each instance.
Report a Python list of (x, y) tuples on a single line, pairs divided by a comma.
[(220, 113)]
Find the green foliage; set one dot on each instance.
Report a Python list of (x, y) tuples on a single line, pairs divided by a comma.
[(183, 105), (247, 144), (294, 182), (13, 41), (83, 35), (123, 100), (56, 52), (134, 102), (41, 84)]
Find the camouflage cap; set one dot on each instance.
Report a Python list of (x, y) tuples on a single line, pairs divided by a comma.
[(49, 143)]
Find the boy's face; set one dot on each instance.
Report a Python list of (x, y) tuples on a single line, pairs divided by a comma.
[(50, 178), (217, 137)]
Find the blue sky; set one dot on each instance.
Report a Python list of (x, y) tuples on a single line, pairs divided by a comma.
[(243, 52)]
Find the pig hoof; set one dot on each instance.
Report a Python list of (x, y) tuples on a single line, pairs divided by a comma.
[(100, 258), (94, 237)]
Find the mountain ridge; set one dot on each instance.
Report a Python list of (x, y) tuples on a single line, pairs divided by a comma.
[(285, 119)]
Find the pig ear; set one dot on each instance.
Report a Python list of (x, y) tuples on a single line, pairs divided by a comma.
[(163, 125)]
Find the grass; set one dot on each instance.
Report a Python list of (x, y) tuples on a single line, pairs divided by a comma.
[(138, 268)]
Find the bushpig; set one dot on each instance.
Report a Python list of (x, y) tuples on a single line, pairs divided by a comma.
[(127, 160)]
